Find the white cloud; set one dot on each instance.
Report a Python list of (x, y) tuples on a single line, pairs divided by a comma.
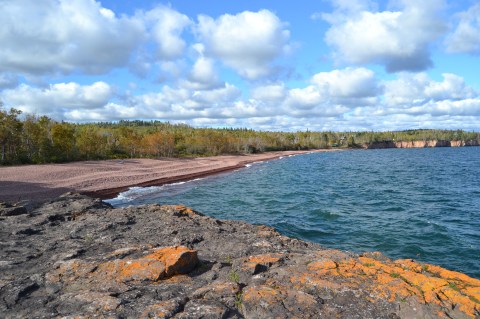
[(466, 36), (203, 74), (335, 92), (409, 101), (347, 83), (304, 98), (50, 36), (247, 42), (167, 27), (59, 98), (218, 96), (417, 89), (452, 87), (182, 103), (203, 71), (273, 93), (399, 40)]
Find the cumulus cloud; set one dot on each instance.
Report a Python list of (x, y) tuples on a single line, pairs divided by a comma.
[(181, 103), (50, 36), (59, 98), (68, 36), (272, 93), (167, 26), (347, 83), (361, 103), (203, 74), (398, 39), (335, 92), (417, 89), (466, 36), (304, 98), (247, 42)]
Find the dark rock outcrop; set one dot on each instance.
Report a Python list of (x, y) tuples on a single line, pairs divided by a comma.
[(7, 209), (76, 257)]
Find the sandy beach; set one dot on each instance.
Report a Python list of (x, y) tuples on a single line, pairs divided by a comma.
[(105, 179)]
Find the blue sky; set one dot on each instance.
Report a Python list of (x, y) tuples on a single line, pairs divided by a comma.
[(269, 65)]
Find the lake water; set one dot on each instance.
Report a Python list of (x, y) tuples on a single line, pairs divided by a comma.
[(406, 203)]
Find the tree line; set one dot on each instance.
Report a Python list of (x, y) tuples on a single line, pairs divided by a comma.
[(32, 139)]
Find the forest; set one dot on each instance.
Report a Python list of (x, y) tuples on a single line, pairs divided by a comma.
[(32, 139)]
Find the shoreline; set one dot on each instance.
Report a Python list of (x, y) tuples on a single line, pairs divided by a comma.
[(76, 256), (106, 179)]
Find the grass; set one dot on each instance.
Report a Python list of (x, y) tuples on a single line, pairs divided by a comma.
[(233, 276), (238, 300)]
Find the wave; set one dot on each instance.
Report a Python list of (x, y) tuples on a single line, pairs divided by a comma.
[(135, 193), (254, 163)]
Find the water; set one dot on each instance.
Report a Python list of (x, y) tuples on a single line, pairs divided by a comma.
[(407, 203)]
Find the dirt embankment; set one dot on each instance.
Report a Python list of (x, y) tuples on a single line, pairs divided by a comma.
[(76, 257)]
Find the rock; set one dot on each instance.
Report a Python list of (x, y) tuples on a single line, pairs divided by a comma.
[(11, 210), (226, 292), (113, 275), (76, 257), (204, 309), (420, 144), (279, 302), (165, 309), (260, 263)]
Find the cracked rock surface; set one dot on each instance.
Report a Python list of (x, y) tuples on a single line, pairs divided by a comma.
[(77, 257)]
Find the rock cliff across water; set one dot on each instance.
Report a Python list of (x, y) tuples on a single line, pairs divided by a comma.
[(420, 144), (77, 257)]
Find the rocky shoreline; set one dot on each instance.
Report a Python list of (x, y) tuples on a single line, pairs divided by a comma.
[(77, 257)]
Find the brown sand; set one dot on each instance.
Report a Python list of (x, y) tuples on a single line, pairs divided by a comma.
[(105, 179)]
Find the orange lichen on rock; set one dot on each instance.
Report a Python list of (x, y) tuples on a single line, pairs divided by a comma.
[(163, 263), (265, 259), (183, 210), (177, 260), (294, 302), (259, 263), (397, 280), (264, 293), (452, 275)]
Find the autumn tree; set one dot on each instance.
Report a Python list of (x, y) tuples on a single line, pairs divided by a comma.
[(159, 144)]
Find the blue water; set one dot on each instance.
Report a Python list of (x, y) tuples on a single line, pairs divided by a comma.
[(406, 203)]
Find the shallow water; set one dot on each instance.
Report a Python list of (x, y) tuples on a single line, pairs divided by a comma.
[(407, 203)]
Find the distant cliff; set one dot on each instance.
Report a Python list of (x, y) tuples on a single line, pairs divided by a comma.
[(420, 144), (77, 257)]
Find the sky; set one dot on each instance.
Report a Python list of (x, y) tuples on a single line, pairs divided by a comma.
[(345, 65)]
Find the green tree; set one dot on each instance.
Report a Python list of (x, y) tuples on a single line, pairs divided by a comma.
[(10, 132), (63, 138)]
